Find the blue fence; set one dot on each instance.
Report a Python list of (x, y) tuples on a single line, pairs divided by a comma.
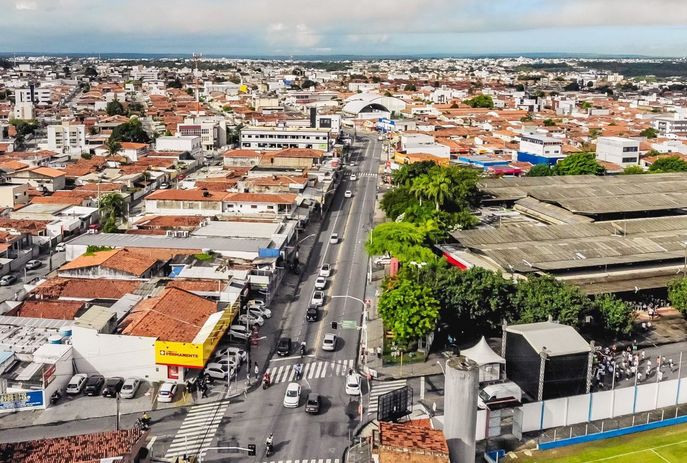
[(613, 433)]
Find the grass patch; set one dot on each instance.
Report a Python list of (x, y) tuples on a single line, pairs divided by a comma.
[(203, 257)]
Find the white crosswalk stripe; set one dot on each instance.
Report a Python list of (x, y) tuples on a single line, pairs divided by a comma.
[(368, 174), (311, 370), (381, 388), (198, 429), (306, 460)]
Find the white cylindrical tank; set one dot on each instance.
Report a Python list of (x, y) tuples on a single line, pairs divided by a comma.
[(460, 408)]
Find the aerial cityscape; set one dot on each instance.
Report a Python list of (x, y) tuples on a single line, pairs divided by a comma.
[(420, 232)]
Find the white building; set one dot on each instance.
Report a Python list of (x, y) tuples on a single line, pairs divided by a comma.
[(192, 144), (23, 111), (618, 150), (277, 138), (211, 130), (425, 144), (668, 126), (541, 145), (33, 94), (67, 138)]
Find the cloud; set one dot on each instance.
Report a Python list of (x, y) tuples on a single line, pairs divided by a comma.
[(25, 5)]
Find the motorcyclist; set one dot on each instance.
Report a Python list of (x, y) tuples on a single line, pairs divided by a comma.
[(266, 379), (299, 370), (145, 419), (303, 348), (268, 443)]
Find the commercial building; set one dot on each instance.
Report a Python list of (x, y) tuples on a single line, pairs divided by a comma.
[(67, 138), (618, 150), (211, 130), (191, 144), (540, 149), (277, 138)]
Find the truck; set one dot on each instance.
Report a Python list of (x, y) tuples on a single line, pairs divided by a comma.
[(501, 391)]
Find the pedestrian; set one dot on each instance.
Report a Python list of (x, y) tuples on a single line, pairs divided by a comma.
[(643, 355), (648, 370), (648, 365), (639, 376), (256, 369), (634, 345), (204, 391), (659, 374)]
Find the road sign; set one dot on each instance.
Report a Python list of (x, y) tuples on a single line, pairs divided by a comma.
[(349, 324)]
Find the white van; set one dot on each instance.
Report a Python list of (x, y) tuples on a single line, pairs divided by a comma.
[(498, 391)]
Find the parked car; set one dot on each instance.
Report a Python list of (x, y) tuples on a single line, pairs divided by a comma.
[(284, 346), (229, 361), (164, 186), (33, 264), (8, 280), (256, 303), (326, 270), (257, 311), (353, 384), (113, 386), (61, 247), (329, 342), (348, 194), (312, 403), (382, 260), (232, 351), (334, 238), (216, 371), (239, 332), (292, 396), (353, 178), (251, 319), (311, 314), (93, 384), (76, 384), (167, 392), (129, 388), (317, 299), (320, 283)]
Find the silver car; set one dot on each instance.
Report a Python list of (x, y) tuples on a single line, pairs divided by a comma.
[(329, 342), (129, 388)]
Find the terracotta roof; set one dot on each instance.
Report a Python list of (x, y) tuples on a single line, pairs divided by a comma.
[(73, 201), (186, 195), (85, 288), (401, 436), (277, 180), (216, 185), (30, 227), (74, 449), (242, 153), (266, 198), (297, 153), (133, 262), (196, 285), (170, 221), (48, 172), (58, 310), (126, 145), (12, 165), (174, 315)]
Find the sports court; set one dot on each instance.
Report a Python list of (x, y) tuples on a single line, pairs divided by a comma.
[(666, 445)]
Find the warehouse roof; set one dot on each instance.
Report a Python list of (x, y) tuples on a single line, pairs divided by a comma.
[(557, 339)]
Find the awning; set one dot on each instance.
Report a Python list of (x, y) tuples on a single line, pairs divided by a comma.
[(482, 354)]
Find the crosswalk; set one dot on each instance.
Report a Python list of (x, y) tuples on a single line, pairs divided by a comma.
[(311, 370), (381, 388), (198, 429), (307, 460), (368, 174)]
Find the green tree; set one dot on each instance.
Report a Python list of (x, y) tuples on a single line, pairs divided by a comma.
[(451, 188), (549, 123), (136, 108), (90, 72), (677, 294), (473, 301), (633, 170), (404, 240), (410, 88), (131, 131), (616, 316), (540, 170), (112, 208), (579, 164), (175, 83), (408, 172), (649, 132), (480, 101), (586, 105), (409, 310), (112, 146), (115, 108), (539, 297), (668, 164), (397, 201), (572, 87)]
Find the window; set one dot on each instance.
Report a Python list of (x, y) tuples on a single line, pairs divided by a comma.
[(626, 160), (253, 206), (630, 149)]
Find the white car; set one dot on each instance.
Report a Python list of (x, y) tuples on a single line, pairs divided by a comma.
[(33, 264), (329, 342), (232, 351), (216, 371), (320, 283), (317, 299), (129, 388), (256, 303), (60, 247), (326, 270), (239, 332), (251, 319), (292, 397), (167, 392), (353, 178), (230, 361), (348, 194), (381, 260), (353, 384), (334, 238), (76, 384), (258, 312)]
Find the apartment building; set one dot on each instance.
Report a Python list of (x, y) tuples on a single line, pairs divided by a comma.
[(670, 126), (67, 138), (540, 149), (33, 94), (277, 138), (211, 130), (618, 150)]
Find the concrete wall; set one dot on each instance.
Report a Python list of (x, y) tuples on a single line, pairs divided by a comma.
[(116, 355)]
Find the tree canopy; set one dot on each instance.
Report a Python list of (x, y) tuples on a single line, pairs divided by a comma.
[(131, 131), (540, 170), (668, 164), (539, 297), (480, 101), (409, 310), (677, 294), (616, 316), (579, 164), (633, 170), (649, 132), (403, 240), (115, 108), (112, 208)]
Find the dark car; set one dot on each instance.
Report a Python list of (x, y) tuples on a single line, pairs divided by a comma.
[(284, 346), (311, 314), (312, 405), (93, 385), (113, 386)]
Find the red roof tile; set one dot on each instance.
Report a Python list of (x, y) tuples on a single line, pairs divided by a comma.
[(58, 310), (85, 288)]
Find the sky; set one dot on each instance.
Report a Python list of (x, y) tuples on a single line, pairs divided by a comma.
[(356, 27)]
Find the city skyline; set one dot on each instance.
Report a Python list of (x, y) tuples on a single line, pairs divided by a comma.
[(422, 27)]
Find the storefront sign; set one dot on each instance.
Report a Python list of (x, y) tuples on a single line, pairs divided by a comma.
[(21, 400), (183, 354)]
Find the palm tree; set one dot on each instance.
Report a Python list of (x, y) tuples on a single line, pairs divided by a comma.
[(113, 146), (419, 187), (112, 207), (438, 188)]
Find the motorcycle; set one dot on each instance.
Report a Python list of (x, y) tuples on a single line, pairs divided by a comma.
[(268, 450), (143, 424), (55, 397), (265, 382), (302, 349)]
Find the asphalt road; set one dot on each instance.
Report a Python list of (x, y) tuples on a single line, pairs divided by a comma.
[(298, 435), (7, 292)]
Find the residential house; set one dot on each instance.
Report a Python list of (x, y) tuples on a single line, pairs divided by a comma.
[(42, 178), (185, 202), (114, 264), (259, 204)]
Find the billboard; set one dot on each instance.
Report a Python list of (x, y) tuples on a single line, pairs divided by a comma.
[(385, 125), (21, 400), (183, 354)]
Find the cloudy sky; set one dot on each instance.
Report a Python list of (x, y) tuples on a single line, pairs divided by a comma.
[(285, 27)]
